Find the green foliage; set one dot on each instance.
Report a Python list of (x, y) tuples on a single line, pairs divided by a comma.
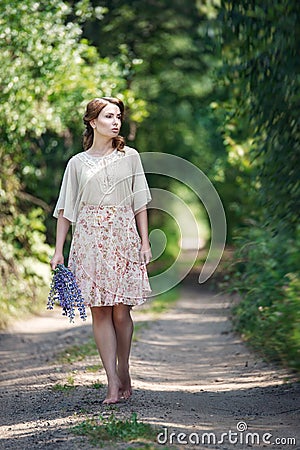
[(108, 430), (48, 73), (66, 387), (78, 352), (94, 368), (168, 52), (169, 62), (23, 272), (260, 41), (50, 70), (266, 277), (239, 121), (97, 385)]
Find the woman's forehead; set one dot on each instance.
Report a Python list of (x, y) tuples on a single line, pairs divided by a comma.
[(110, 108)]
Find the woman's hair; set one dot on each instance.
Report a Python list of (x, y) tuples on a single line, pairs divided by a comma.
[(93, 108)]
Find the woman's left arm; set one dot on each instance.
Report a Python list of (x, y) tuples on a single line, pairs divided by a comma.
[(141, 218)]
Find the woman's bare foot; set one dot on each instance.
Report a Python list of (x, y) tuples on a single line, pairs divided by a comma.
[(113, 392), (125, 388)]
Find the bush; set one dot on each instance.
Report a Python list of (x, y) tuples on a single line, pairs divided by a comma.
[(24, 266), (267, 281)]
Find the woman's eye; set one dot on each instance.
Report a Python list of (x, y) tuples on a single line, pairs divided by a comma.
[(110, 116)]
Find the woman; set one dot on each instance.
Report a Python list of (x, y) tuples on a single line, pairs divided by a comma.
[(104, 194)]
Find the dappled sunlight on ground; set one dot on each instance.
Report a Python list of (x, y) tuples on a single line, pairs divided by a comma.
[(190, 372)]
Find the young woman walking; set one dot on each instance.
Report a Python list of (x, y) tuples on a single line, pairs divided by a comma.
[(104, 194)]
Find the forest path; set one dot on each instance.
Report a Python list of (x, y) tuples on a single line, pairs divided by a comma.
[(190, 374)]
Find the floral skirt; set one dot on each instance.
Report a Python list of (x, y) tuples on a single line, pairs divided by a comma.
[(104, 257)]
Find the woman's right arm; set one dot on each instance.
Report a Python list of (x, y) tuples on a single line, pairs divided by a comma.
[(62, 229)]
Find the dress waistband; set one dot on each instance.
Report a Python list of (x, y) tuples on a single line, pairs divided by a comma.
[(89, 207)]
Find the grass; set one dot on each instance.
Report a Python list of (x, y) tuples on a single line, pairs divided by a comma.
[(69, 385), (111, 430), (94, 368), (79, 352), (97, 385)]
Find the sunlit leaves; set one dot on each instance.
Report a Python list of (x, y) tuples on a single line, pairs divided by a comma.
[(260, 50), (48, 73), (43, 61), (261, 70)]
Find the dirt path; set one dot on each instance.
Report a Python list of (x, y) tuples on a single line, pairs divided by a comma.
[(190, 374)]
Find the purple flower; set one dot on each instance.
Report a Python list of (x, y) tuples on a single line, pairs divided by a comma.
[(64, 290)]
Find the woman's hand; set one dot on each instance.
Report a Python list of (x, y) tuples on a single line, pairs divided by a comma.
[(145, 253), (57, 259)]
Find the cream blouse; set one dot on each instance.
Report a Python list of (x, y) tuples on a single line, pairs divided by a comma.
[(117, 179)]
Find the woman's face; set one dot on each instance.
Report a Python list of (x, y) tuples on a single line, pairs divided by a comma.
[(108, 122)]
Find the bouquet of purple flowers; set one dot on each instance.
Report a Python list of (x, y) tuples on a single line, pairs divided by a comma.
[(65, 291)]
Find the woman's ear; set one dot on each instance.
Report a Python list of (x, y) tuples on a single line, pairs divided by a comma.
[(92, 123)]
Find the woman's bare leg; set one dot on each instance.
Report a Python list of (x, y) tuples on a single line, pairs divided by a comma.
[(106, 341), (124, 328)]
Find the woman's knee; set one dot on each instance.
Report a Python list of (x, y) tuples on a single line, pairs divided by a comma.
[(121, 315), (100, 313)]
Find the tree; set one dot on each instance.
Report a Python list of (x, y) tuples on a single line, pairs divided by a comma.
[(260, 43), (48, 72), (167, 50)]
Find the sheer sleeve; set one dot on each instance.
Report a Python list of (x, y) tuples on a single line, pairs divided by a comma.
[(140, 189), (68, 195)]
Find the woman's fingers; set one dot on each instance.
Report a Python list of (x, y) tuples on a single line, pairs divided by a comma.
[(56, 260), (53, 264), (146, 256)]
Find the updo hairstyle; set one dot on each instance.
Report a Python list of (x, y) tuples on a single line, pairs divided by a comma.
[(94, 107)]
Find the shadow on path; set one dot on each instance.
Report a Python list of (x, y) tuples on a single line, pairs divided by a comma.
[(191, 373)]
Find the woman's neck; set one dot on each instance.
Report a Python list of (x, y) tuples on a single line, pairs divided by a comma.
[(101, 147)]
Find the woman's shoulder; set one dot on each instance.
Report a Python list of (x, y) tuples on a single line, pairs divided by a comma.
[(75, 159), (130, 151), (78, 156)]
